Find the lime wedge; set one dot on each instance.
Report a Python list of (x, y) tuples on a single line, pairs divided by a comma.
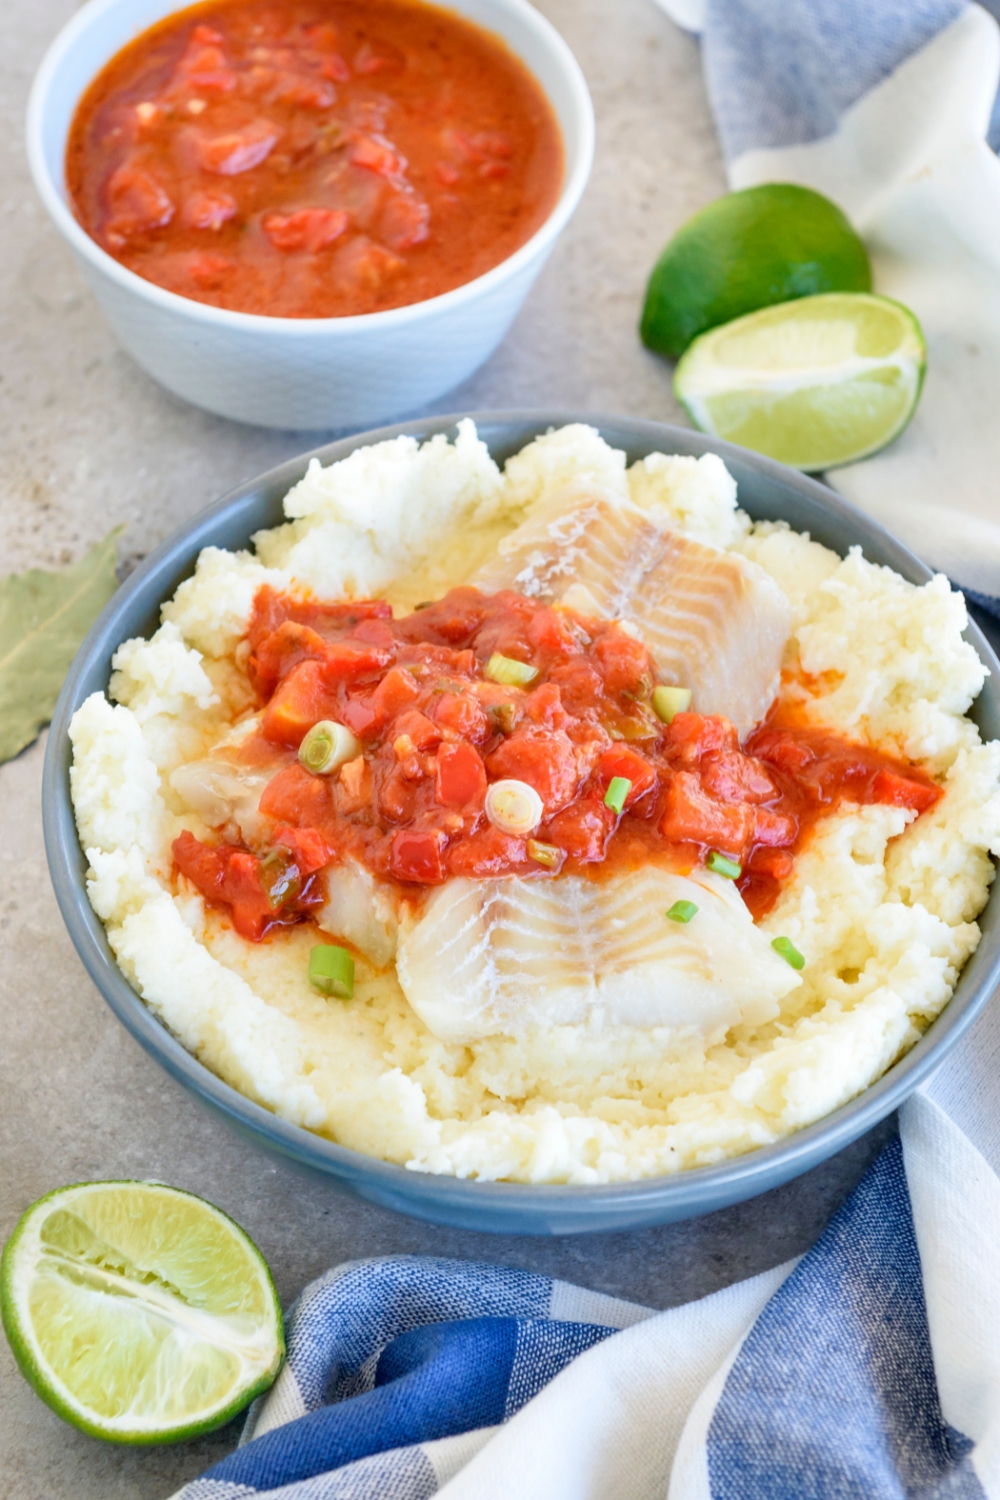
[(138, 1312), (814, 383)]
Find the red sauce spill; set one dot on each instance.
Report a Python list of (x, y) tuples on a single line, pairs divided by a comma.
[(435, 730), (313, 158)]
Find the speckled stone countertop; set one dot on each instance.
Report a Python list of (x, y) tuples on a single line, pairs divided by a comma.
[(89, 441)]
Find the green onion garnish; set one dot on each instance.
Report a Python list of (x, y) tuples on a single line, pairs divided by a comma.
[(668, 701), (682, 911), (731, 868), (506, 670), (327, 747), (281, 879), (331, 970), (788, 952), (503, 717), (618, 789), (549, 855)]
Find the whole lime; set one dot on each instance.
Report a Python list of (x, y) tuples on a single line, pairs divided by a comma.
[(748, 250)]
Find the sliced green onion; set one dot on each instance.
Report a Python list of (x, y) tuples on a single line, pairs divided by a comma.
[(668, 701), (503, 717), (331, 970), (444, 686), (682, 911), (506, 670), (618, 789), (788, 952), (549, 855), (731, 868), (280, 878), (327, 747), (513, 806)]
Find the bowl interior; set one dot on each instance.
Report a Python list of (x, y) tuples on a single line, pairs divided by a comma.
[(767, 491), (102, 27)]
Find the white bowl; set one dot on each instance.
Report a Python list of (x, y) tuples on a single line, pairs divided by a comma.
[(304, 372)]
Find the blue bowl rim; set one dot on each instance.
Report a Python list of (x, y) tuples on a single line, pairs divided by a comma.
[(425, 1195)]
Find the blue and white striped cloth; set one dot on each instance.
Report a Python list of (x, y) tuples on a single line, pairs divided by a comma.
[(870, 1369)]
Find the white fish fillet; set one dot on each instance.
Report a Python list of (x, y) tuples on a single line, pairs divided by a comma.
[(360, 909), (714, 622), (223, 792), (509, 955)]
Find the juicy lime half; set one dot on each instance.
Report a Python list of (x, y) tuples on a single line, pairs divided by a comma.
[(138, 1312), (748, 250), (814, 383)]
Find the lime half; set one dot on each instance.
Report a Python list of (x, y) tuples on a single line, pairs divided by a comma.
[(138, 1312), (747, 250), (814, 383)]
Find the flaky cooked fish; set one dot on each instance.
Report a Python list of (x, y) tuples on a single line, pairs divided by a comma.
[(714, 622), (482, 957), (361, 909)]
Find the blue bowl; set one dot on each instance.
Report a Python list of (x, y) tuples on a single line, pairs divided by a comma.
[(768, 491)]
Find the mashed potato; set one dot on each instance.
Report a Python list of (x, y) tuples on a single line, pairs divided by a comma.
[(883, 904)]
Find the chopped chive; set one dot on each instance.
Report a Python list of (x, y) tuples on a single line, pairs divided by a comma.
[(327, 747), (618, 789), (788, 952), (668, 701), (331, 969), (280, 878), (682, 911), (510, 672), (731, 868), (549, 855)]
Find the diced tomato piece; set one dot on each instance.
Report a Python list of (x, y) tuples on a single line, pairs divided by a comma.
[(297, 798), (623, 662), (303, 697), (418, 855), (690, 736), (209, 210), (463, 714), (418, 728), (621, 761), (209, 271), (137, 203), (773, 828), (777, 863), (309, 848), (580, 684), (582, 830), (690, 816), (385, 59), (899, 791), (731, 776), (271, 609), (375, 631), (309, 229), (493, 169), (335, 68), (490, 853), (359, 714), (545, 706), (446, 173), (227, 876), (404, 221), (543, 758), (396, 691), (378, 155), (461, 776), (282, 650), (239, 151), (347, 661), (781, 750), (397, 795)]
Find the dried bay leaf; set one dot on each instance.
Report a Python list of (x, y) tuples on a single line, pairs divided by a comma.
[(43, 620)]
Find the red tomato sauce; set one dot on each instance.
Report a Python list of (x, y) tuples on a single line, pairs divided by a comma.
[(313, 158), (435, 730)]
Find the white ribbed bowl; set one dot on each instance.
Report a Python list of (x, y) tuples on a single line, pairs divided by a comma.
[(304, 372)]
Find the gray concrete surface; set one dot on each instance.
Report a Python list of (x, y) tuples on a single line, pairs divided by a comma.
[(89, 441)]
